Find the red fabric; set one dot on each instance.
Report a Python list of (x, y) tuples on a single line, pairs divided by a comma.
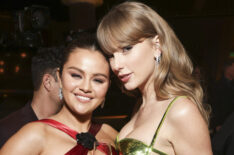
[(60, 126), (79, 149), (105, 149)]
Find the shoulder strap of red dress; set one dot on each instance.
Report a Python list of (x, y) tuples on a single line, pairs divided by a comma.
[(60, 126), (79, 149), (93, 129)]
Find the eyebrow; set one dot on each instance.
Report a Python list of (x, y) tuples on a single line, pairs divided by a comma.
[(96, 74)]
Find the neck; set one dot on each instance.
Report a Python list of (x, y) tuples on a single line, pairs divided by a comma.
[(80, 123), (43, 106), (148, 91)]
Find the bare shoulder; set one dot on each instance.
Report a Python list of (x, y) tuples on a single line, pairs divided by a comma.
[(189, 131), (183, 109), (34, 129), (185, 112), (28, 140)]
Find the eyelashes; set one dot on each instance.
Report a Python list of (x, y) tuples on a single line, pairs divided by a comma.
[(99, 81), (110, 56), (96, 80), (124, 50), (75, 75), (127, 48)]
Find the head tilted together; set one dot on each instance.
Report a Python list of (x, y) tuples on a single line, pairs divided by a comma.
[(131, 22)]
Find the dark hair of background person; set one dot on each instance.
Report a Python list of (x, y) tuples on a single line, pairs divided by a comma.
[(47, 60)]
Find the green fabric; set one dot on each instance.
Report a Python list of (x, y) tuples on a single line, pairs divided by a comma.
[(131, 146)]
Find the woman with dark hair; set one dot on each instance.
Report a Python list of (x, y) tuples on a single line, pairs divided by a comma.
[(146, 56), (84, 81)]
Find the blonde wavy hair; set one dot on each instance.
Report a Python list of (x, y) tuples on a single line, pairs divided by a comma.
[(129, 22)]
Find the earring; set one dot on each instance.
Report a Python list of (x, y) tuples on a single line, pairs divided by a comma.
[(103, 103), (60, 94), (158, 59)]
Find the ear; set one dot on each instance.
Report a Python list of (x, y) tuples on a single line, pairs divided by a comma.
[(59, 78), (157, 46), (47, 81)]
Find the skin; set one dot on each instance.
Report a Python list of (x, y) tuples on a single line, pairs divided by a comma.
[(47, 93), (86, 73), (184, 131)]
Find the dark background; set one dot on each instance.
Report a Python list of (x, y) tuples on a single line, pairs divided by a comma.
[(205, 27)]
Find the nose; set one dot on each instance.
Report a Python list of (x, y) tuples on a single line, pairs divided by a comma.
[(85, 86), (116, 62)]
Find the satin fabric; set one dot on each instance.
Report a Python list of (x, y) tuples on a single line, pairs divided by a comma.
[(79, 149)]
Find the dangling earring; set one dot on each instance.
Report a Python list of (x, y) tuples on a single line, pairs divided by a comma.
[(158, 59), (103, 103), (60, 94)]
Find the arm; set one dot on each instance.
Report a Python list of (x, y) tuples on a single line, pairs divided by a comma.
[(106, 140), (110, 134), (189, 130), (27, 141)]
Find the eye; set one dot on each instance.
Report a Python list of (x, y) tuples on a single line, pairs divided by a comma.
[(109, 56), (76, 75), (127, 48), (99, 80)]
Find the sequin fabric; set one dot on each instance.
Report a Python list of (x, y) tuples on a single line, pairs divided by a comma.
[(131, 146)]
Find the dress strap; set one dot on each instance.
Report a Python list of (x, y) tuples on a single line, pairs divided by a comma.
[(78, 149), (162, 120), (60, 126), (94, 128)]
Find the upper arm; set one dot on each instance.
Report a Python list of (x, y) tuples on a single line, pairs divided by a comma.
[(110, 133), (28, 140), (190, 134)]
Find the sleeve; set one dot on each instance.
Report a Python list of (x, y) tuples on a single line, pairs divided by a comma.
[(229, 146)]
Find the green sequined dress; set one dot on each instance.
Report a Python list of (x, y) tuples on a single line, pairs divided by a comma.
[(131, 146)]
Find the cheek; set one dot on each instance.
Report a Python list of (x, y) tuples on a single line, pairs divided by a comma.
[(68, 83), (111, 64), (101, 90), (135, 61)]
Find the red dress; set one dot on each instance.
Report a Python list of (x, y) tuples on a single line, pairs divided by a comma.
[(80, 149)]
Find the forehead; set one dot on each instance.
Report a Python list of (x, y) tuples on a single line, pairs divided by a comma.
[(88, 60), (111, 44)]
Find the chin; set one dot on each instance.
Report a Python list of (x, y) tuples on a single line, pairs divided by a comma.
[(129, 87)]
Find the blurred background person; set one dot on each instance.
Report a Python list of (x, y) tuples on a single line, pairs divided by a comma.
[(223, 139), (222, 96), (45, 100)]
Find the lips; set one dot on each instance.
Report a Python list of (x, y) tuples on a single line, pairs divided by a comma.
[(125, 77)]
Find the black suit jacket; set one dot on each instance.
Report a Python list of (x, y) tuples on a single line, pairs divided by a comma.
[(13, 122)]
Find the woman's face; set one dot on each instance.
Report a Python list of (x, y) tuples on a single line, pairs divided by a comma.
[(134, 65), (85, 80)]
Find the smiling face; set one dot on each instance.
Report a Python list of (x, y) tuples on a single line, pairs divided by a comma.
[(84, 80), (135, 65)]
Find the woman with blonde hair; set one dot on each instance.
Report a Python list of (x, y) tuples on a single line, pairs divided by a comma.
[(146, 56)]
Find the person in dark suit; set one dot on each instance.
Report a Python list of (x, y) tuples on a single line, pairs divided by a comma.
[(45, 101), (222, 96), (223, 140)]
